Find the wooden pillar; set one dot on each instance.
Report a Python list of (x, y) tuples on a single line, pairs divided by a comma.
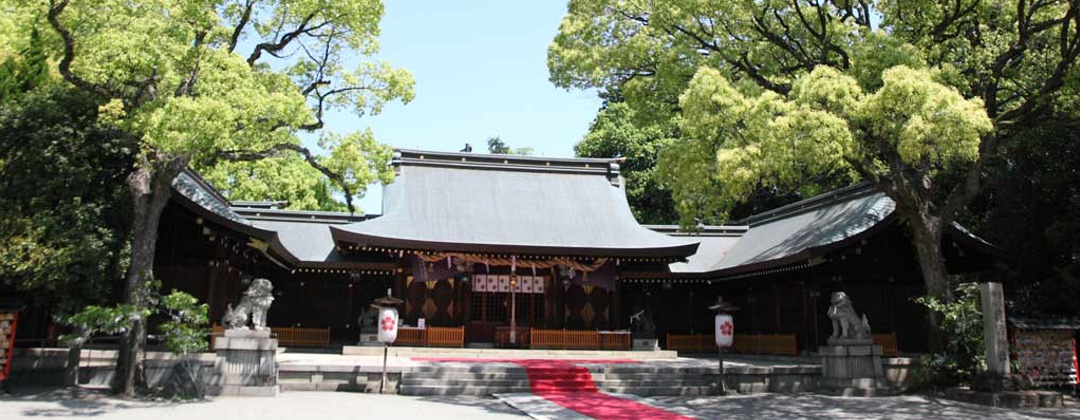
[(776, 305), (615, 314)]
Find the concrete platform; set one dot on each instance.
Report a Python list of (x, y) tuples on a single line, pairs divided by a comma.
[(509, 353)]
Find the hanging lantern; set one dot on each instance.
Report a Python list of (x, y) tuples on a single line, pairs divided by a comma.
[(388, 320), (724, 324), (388, 317), (725, 331)]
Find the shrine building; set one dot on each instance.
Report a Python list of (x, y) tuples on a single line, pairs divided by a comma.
[(481, 245)]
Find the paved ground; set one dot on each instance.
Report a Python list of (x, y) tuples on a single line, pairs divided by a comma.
[(325, 406)]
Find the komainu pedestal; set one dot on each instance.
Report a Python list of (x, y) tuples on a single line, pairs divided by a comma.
[(852, 367), (851, 362), (246, 364)]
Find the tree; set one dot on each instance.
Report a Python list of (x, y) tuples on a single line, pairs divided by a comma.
[(63, 225), (205, 81), (805, 69), (497, 147), (288, 177), (615, 134), (1031, 209)]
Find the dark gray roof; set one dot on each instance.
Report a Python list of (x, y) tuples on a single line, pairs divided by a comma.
[(308, 242), (510, 205), (711, 250), (303, 216), (788, 235), (296, 242), (195, 189)]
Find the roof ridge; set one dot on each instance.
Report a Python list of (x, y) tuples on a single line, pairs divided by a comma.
[(310, 216), (815, 202), (463, 160)]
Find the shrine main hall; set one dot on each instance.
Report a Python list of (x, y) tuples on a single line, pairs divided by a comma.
[(479, 246)]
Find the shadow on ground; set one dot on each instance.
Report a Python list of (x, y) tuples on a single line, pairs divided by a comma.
[(79, 402), (489, 403), (812, 407)]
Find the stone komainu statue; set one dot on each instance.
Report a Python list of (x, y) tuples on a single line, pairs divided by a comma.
[(845, 322), (252, 307), (367, 321), (641, 325)]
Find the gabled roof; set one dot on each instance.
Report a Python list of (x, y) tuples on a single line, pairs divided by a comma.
[(289, 238), (791, 234), (510, 205)]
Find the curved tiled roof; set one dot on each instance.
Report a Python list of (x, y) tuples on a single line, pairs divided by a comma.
[(510, 205)]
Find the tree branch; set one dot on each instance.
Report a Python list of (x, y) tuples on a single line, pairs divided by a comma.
[(55, 9), (274, 47), (239, 29), (310, 158)]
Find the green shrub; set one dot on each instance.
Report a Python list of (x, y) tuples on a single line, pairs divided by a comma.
[(960, 322)]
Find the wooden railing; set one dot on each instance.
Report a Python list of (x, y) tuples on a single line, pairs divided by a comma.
[(691, 343), (302, 337), (446, 336), (564, 339), (431, 336), (410, 336), (888, 344), (615, 340), (287, 336)]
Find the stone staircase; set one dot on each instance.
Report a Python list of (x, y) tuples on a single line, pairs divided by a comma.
[(490, 379)]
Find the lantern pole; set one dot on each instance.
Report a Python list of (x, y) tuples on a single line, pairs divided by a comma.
[(387, 329), (720, 357), (382, 384), (513, 311), (722, 308)]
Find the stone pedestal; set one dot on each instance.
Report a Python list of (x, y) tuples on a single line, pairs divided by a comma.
[(646, 344), (370, 340), (994, 329), (852, 367), (246, 364)]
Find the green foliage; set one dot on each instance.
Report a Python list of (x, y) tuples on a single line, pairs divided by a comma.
[(615, 133), (826, 124), (1031, 209), (358, 158), (203, 82), (103, 320), (497, 147), (773, 93), (63, 213), (186, 328), (961, 324), (195, 81), (25, 71)]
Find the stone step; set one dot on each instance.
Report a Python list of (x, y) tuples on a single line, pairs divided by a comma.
[(655, 383), (460, 390), (462, 382), (646, 391), (467, 375), (619, 375)]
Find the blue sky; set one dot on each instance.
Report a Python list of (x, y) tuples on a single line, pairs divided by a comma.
[(480, 70)]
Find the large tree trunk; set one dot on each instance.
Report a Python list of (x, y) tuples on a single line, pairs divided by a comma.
[(927, 234), (150, 186)]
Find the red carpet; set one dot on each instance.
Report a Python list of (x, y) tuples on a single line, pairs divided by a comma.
[(572, 387)]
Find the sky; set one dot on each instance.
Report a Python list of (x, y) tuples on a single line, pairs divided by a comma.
[(481, 71)]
